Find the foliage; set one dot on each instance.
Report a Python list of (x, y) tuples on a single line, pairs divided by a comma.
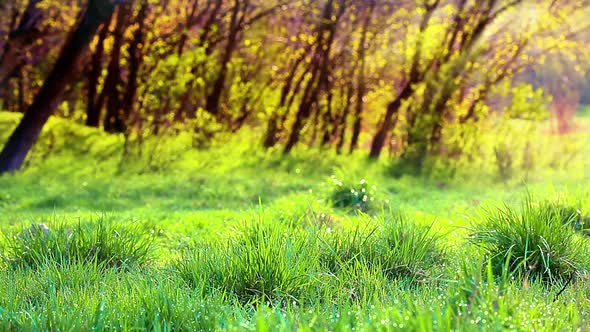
[(345, 76)]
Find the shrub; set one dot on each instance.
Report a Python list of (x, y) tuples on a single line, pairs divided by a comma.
[(352, 196), (262, 264), (99, 243), (532, 244)]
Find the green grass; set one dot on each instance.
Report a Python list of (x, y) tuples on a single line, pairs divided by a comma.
[(233, 238), (536, 242), (96, 242)]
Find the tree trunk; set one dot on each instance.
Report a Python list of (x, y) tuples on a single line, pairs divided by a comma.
[(330, 125), (135, 62), (320, 74), (93, 110), (275, 121), (304, 111), (416, 75), (45, 102), (389, 122), (361, 88), (214, 98), (21, 93), (344, 116), (113, 121)]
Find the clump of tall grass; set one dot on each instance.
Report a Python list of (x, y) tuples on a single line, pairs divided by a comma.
[(409, 250), (532, 243), (266, 263), (93, 242), (399, 248)]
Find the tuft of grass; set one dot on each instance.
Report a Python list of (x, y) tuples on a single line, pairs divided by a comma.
[(98, 243), (343, 248), (409, 250), (267, 263), (533, 243), (400, 249)]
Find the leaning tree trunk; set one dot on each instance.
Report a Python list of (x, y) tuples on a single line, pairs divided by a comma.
[(45, 102), (389, 122)]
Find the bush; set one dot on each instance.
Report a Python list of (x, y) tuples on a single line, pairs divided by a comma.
[(263, 264), (352, 196), (99, 243), (531, 244)]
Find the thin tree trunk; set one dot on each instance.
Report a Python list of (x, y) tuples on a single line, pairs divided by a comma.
[(113, 121), (329, 124), (345, 113), (320, 75), (93, 110), (21, 93), (135, 62), (388, 122), (214, 98), (361, 88), (273, 127), (415, 76)]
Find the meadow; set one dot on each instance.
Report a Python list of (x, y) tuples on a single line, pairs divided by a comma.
[(100, 235)]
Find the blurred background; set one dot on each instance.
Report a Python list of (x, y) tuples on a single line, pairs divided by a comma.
[(432, 85)]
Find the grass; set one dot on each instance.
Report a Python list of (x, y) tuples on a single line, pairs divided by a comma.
[(232, 238), (96, 242), (266, 263), (533, 243)]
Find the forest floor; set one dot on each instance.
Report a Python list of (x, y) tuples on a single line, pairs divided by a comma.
[(226, 238)]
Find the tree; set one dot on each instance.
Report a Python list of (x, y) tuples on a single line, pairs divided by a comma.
[(418, 76), (25, 34), (47, 99), (320, 69)]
